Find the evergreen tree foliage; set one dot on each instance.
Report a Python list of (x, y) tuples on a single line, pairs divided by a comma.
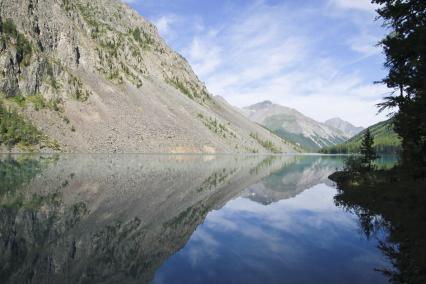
[(386, 141), (405, 51), (367, 151)]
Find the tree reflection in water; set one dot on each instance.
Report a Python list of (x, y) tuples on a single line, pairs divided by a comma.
[(394, 214)]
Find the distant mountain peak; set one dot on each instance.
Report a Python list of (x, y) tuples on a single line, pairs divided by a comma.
[(267, 102), (334, 119), (260, 105), (348, 129), (293, 126)]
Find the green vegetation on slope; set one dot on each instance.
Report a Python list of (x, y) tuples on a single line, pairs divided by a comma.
[(15, 130), (111, 44), (143, 38), (268, 145), (38, 102), (215, 126), (281, 125), (386, 141), (188, 90), (307, 144), (295, 138)]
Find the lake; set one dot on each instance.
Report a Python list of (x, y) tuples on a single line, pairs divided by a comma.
[(180, 219)]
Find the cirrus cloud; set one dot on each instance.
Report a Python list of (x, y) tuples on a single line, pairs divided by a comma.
[(320, 57)]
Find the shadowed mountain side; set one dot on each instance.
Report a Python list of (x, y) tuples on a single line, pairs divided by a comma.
[(292, 179), (117, 222)]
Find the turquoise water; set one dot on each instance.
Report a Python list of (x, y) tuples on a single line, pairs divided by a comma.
[(179, 219)]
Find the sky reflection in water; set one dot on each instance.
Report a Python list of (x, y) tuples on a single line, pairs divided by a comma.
[(305, 239)]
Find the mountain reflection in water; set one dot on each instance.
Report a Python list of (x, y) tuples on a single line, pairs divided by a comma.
[(178, 219)]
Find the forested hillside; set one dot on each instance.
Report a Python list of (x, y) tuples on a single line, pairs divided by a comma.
[(385, 140)]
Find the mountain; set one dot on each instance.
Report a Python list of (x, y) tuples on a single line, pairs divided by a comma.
[(385, 140), (95, 76), (293, 126), (347, 128)]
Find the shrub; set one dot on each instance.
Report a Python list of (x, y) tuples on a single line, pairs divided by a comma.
[(267, 144), (215, 126), (356, 165), (137, 35), (181, 87), (23, 46), (9, 28), (143, 38), (54, 104), (20, 100), (38, 101), (353, 164), (23, 49), (15, 130)]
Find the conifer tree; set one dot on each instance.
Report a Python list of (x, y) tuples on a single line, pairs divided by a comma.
[(405, 51), (367, 151)]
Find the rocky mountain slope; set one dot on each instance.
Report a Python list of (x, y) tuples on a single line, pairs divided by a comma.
[(347, 128), (95, 76), (386, 141), (294, 126)]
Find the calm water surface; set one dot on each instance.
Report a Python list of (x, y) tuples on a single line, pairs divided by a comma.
[(179, 219)]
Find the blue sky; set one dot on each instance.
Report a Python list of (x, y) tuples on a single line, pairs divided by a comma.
[(317, 56)]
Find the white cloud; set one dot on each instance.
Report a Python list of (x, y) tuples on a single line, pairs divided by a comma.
[(163, 24), (363, 5), (365, 44), (281, 53), (205, 58)]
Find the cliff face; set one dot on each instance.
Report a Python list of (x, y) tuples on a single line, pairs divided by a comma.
[(97, 77)]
